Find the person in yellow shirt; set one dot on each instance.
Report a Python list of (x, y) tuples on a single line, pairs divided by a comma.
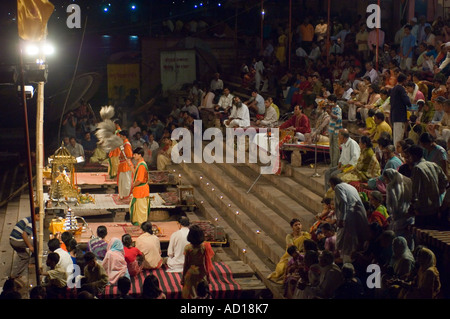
[(380, 126), (140, 203)]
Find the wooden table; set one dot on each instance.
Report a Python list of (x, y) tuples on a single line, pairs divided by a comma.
[(302, 147)]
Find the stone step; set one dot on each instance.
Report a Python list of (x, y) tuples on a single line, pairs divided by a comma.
[(303, 175), (277, 199), (295, 190), (244, 221), (267, 219), (239, 242)]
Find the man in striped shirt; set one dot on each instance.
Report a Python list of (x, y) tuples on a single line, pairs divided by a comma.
[(20, 240)]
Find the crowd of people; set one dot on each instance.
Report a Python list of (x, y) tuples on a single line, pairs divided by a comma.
[(106, 260), (386, 121), (388, 143)]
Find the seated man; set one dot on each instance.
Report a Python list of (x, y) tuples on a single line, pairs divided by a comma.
[(380, 126), (177, 243), (239, 115), (164, 156), (270, 117), (299, 123), (256, 104), (225, 101)]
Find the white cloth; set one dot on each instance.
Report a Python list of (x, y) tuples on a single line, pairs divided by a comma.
[(350, 152), (208, 100), (240, 116), (398, 132), (65, 263), (124, 185), (175, 251)]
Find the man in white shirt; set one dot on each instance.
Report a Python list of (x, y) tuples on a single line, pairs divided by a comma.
[(350, 152), (270, 117), (177, 243), (216, 83), (65, 261), (225, 101), (74, 148), (239, 116), (371, 72)]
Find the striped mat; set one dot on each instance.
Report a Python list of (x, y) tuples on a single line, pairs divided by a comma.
[(222, 285)]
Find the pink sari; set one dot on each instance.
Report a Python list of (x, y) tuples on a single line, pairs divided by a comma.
[(114, 261)]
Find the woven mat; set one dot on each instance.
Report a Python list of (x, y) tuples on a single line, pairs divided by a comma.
[(118, 201), (170, 198), (223, 285)]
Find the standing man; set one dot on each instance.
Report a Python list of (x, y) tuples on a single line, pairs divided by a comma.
[(114, 154), (399, 103), (429, 184), (351, 218), (140, 204), (333, 128), (407, 48), (177, 243), (20, 240), (124, 169)]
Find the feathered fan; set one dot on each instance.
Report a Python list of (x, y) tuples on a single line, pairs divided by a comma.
[(107, 139)]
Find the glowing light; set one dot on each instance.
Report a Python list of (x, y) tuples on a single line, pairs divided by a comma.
[(32, 49), (48, 49)]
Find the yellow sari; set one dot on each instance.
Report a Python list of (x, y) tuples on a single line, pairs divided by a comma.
[(278, 275)]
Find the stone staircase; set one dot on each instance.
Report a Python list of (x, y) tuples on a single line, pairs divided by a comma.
[(255, 210)]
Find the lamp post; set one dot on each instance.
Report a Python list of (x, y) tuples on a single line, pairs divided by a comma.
[(40, 51)]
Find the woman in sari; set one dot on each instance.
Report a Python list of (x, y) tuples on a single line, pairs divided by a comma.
[(197, 262), (296, 238), (114, 262), (398, 199), (367, 166), (426, 284)]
